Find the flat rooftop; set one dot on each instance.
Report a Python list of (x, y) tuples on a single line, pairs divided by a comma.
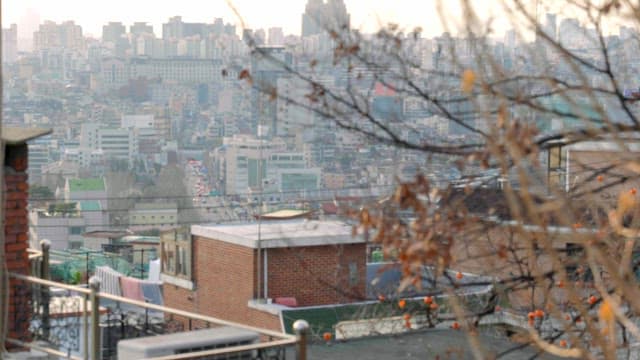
[(93, 184), (15, 135), (277, 234), (428, 344)]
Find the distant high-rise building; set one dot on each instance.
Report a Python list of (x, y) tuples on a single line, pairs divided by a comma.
[(571, 34), (336, 14), (260, 37), (247, 36), (311, 17), (230, 29), (266, 69), (173, 29), (218, 26), (276, 36), (319, 17), (113, 32), (10, 44), (67, 35), (627, 33), (177, 29), (140, 28)]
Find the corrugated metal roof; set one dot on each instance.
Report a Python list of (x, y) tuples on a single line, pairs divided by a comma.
[(15, 135)]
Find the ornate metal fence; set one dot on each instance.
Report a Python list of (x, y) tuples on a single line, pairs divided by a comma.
[(83, 323)]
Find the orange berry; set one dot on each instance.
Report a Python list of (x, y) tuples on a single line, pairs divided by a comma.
[(327, 336), (592, 300), (567, 317), (560, 284), (428, 300), (539, 313), (577, 225), (600, 178), (407, 324), (381, 298), (531, 315), (633, 191), (459, 275), (433, 306), (406, 317), (402, 304), (498, 308), (455, 325), (563, 343)]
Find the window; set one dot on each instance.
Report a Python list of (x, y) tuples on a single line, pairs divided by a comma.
[(176, 252), (575, 263), (76, 230), (75, 244), (353, 274)]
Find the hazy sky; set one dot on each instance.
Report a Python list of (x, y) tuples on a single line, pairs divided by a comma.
[(366, 15), (92, 14)]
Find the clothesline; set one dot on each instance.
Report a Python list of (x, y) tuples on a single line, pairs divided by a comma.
[(116, 283)]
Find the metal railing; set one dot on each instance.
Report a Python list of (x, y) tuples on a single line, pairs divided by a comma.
[(78, 322)]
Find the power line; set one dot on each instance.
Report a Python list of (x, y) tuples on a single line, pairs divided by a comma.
[(179, 222), (158, 197)]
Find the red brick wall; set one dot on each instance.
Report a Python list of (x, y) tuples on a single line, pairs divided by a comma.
[(224, 276), (317, 275), (16, 239)]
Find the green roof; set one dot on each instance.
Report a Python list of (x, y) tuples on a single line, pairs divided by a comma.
[(86, 185), (90, 205)]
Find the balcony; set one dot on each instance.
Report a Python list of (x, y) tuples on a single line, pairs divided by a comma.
[(75, 322)]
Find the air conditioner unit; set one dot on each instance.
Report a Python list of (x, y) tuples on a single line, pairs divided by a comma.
[(190, 341)]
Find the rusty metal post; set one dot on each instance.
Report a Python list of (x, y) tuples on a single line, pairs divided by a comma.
[(94, 285), (301, 328)]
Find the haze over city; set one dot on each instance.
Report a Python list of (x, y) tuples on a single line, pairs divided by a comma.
[(320, 179), (366, 15)]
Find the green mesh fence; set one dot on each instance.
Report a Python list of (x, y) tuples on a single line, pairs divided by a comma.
[(74, 267)]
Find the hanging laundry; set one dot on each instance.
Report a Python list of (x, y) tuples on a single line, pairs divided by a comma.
[(109, 280), (131, 288), (152, 292), (154, 270)]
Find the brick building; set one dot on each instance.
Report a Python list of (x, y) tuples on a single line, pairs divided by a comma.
[(213, 271), (578, 165), (16, 236)]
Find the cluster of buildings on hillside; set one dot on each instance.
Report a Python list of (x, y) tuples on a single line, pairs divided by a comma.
[(268, 274), (144, 105), (131, 110)]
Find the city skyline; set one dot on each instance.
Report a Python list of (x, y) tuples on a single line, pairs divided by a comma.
[(365, 15)]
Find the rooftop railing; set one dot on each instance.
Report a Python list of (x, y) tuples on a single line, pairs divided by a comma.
[(77, 322)]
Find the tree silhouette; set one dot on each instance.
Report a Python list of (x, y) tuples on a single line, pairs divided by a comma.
[(544, 132)]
